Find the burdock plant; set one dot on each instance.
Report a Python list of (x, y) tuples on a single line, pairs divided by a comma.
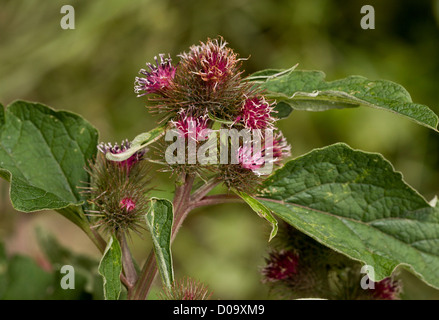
[(340, 209)]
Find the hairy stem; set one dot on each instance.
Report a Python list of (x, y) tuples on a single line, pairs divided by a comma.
[(180, 212), (97, 239), (205, 189)]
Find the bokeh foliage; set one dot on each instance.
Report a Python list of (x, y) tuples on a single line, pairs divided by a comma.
[(91, 70)]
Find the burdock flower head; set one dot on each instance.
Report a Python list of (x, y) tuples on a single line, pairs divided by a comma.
[(191, 127), (280, 148), (212, 62), (250, 158), (207, 77), (157, 79), (272, 151), (205, 93), (281, 265), (117, 201), (256, 113)]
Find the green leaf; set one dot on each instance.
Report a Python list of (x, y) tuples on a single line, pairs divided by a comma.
[(43, 154), (139, 142), (355, 203), (282, 110), (159, 220), (85, 266), (26, 280), (110, 268), (261, 210), (308, 90)]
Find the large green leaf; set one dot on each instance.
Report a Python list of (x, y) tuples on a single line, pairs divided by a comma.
[(308, 90), (43, 154), (159, 220), (26, 280), (355, 203), (110, 268)]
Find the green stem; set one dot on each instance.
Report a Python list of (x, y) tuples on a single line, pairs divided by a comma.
[(205, 189), (149, 271), (77, 216), (96, 238), (183, 203)]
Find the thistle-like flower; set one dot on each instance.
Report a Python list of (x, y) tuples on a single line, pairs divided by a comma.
[(281, 265), (187, 289), (273, 150), (256, 113), (212, 62), (117, 200), (157, 79), (191, 127), (250, 158), (203, 89), (209, 78), (280, 148)]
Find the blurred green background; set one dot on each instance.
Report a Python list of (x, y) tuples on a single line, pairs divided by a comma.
[(90, 70)]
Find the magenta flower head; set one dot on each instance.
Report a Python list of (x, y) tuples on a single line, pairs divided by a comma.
[(280, 148), (213, 62), (191, 127), (128, 204), (157, 79), (273, 150), (387, 289), (256, 113), (116, 149), (249, 158), (281, 265)]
